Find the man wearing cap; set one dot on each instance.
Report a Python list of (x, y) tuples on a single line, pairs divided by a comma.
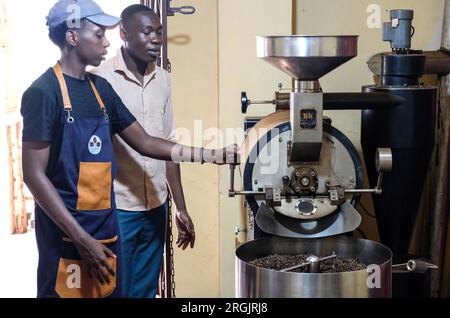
[(69, 119), (140, 186)]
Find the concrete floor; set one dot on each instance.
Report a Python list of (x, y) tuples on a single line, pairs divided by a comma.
[(18, 265)]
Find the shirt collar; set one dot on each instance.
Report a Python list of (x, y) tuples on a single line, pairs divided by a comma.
[(121, 66)]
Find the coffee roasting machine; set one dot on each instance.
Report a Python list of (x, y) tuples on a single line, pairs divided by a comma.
[(303, 178)]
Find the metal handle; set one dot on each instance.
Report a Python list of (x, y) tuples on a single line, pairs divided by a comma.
[(383, 163), (245, 102), (186, 10), (415, 266), (231, 191)]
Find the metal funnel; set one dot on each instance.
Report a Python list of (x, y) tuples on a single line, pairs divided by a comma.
[(307, 58)]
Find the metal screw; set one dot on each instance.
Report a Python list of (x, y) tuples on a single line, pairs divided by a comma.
[(297, 189), (305, 181), (280, 140), (236, 230), (312, 189), (313, 174), (297, 174)]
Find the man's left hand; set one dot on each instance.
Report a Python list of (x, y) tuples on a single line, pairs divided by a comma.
[(186, 232)]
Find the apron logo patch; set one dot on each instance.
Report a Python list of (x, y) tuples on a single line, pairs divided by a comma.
[(95, 145)]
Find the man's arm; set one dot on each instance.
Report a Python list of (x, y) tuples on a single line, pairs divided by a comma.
[(186, 233), (34, 164)]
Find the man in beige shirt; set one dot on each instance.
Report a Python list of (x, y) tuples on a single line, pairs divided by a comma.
[(140, 187)]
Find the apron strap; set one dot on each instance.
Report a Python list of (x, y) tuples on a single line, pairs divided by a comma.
[(63, 86), (65, 92), (97, 95)]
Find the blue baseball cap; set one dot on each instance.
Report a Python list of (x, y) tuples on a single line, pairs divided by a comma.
[(70, 11)]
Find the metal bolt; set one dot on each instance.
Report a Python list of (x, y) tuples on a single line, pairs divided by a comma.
[(297, 174), (312, 189), (305, 181), (313, 174)]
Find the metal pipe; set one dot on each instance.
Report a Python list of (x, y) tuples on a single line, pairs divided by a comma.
[(347, 101), (376, 191), (249, 193), (164, 6), (350, 101), (260, 102), (437, 62), (439, 215)]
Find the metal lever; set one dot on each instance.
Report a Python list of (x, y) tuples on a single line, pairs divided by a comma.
[(312, 260), (383, 163), (231, 191), (245, 102), (416, 266)]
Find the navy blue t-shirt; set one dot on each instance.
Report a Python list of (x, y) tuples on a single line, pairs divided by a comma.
[(43, 109)]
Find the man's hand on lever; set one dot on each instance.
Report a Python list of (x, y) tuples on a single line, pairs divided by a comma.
[(227, 155)]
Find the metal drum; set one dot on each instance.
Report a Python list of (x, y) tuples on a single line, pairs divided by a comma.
[(375, 282)]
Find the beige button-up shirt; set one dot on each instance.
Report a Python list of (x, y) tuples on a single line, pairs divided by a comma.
[(141, 182)]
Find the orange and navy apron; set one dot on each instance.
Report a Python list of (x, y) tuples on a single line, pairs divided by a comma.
[(84, 179)]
